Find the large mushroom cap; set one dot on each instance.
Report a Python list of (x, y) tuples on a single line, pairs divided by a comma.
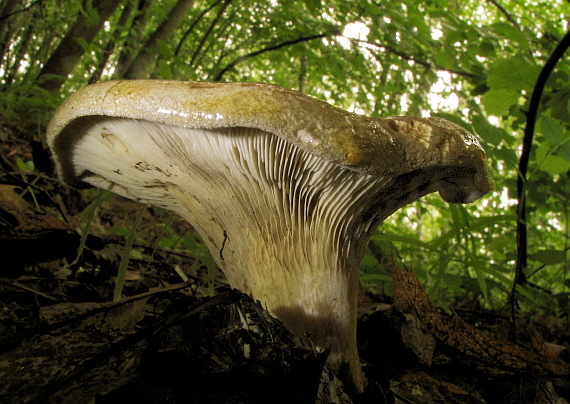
[(381, 146), (284, 189)]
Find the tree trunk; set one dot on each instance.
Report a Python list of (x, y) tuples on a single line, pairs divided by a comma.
[(193, 25), (7, 27), (209, 31), (39, 52), (13, 59), (5, 17), (69, 50), (113, 42), (144, 63), (133, 41)]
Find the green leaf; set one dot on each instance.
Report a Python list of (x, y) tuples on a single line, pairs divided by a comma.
[(84, 44), (444, 58), (368, 261), (488, 132), (559, 103), (376, 277), (125, 257), (549, 256), (456, 35), (508, 31), (25, 166), (165, 69), (513, 74), (525, 292), (498, 102), (418, 21), (487, 221), (485, 49), (314, 6), (169, 242), (554, 133), (453, 118), (91, 14), (548, 162), (551, 130), (498, 276), (164, 50), (535, 193), (482, 281), (401, 238), (509, 156), (555, 165)]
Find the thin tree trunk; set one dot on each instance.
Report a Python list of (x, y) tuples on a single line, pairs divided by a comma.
[(13, 59), (38, 51), (6, 11), (6, 26), (209, 31), (69, 50), (144, 63), (113, 42), (128, 50), (193, 25)]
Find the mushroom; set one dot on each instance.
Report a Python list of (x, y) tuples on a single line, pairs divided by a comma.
[(284, 189)]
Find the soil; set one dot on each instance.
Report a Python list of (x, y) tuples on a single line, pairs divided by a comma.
[(181, 335)]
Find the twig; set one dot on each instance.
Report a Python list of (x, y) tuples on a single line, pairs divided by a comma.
[(506, 13), (23, 10), (108, 306), (421, 62), (37, 188), (522, 241), (185, 310), (18, 285), (541, 267), (209, 31), (193, 25), (240, 59)]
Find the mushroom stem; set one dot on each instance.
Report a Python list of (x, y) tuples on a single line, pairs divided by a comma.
[(290, 229)]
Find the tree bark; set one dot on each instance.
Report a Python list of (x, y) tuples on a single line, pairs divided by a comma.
[(39, 52), (69, 51), (6, 27), (143, 65), (193, 25), (133, 41), (209, 31), (113, 42), (11, 61)]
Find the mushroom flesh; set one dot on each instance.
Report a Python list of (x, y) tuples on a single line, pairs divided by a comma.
[(284, 189)]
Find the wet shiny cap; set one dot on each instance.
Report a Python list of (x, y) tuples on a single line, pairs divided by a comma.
[(389, 146)]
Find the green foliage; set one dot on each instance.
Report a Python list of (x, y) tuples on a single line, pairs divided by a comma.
[(193, 242), (26, 167), (125, 256), (86, 220), (475, 64)]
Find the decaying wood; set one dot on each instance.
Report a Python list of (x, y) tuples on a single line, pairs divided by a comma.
[(497, 356), (221, 348), (23, 229)]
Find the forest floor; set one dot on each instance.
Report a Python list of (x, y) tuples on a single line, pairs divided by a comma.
[(180, 335)]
